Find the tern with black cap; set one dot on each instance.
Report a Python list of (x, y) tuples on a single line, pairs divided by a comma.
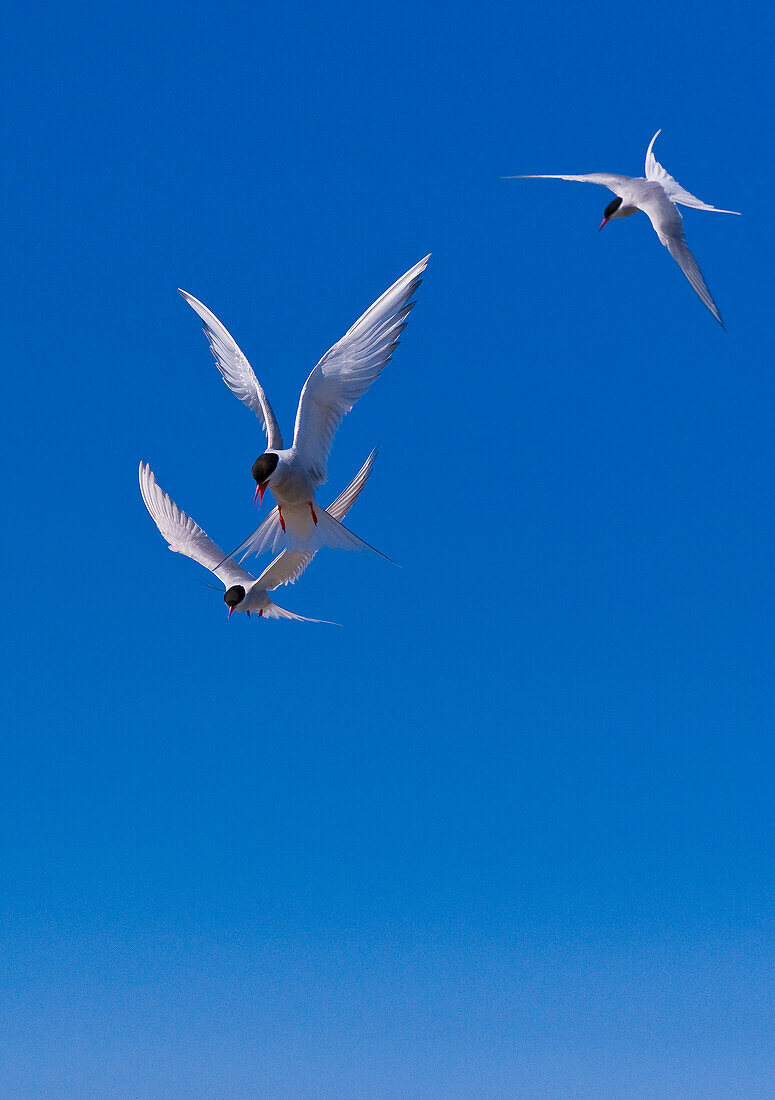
[(243, 591), (658, 195), (343, 375)]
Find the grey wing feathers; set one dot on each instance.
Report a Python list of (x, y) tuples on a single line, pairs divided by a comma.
[(348, 369), (673, 189), (604, 179), (678, 249), (289, 566), (286, 568), (183, 535), (236, 371)]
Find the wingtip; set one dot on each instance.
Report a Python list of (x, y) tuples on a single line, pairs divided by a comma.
[(649, 151), (418, 268), (194, 302)]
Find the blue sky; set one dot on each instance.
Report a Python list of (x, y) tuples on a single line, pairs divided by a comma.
[(508, 832)]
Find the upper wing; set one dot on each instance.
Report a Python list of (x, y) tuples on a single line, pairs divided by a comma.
[(668, 225), (676, 193), (289, 566), (348, 369), (605, 179), (186, 537), (236, 371)]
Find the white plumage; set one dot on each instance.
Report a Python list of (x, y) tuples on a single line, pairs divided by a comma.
[(343, 375), (184, 536), (657, 195)]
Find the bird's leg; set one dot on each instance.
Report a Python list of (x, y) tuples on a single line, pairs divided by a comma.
[(312, 509), (248, 614), (261, 612), (282, 521)]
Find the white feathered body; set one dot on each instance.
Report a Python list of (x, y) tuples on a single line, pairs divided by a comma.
[(184, 536), (257, 599), (658, 195), (290, 481), (340, 378)]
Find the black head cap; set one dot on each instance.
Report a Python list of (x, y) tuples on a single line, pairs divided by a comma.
[(264, 467), (234, 595), (612, 207)]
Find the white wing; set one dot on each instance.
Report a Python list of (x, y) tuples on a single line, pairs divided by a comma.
[(289, 566), (668, 225), (183, 536), (273, 611), (236, 371), (344, 502), (679, 250), (676, 193), (605, 179), (347, 370)]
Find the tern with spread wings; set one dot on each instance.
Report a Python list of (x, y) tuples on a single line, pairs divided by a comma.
[(243, 591), (339, 379), (658, 196)]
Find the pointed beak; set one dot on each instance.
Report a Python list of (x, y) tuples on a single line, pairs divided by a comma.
[(603, 222), (259, 493), (231, 612)]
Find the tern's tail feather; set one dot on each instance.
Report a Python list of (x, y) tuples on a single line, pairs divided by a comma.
[(301, 533), (274, 611)]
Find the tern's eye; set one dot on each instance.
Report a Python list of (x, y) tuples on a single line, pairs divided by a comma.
[(612, 207)]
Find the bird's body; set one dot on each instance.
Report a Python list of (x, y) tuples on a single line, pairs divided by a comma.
[(658, 195), (243, 591), (343, 374)]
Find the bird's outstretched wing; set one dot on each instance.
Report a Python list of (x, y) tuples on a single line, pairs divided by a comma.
[(348, 369), (668, 225), (679, 250), (605, 179), (184, 536), (236, 371), (673, 189), (289, 566)]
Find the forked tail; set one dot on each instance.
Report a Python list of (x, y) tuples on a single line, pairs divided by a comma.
[(274, 611), (301, 533)]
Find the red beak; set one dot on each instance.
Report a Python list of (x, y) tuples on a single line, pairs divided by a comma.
[(259, 493), (231, 610), (603, 222)]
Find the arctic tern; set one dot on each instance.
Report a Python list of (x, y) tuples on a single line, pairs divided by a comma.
[(243, 591), (657, 196), (343, 374)]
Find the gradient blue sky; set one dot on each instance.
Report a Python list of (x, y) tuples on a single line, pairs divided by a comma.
[(509, 831)]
